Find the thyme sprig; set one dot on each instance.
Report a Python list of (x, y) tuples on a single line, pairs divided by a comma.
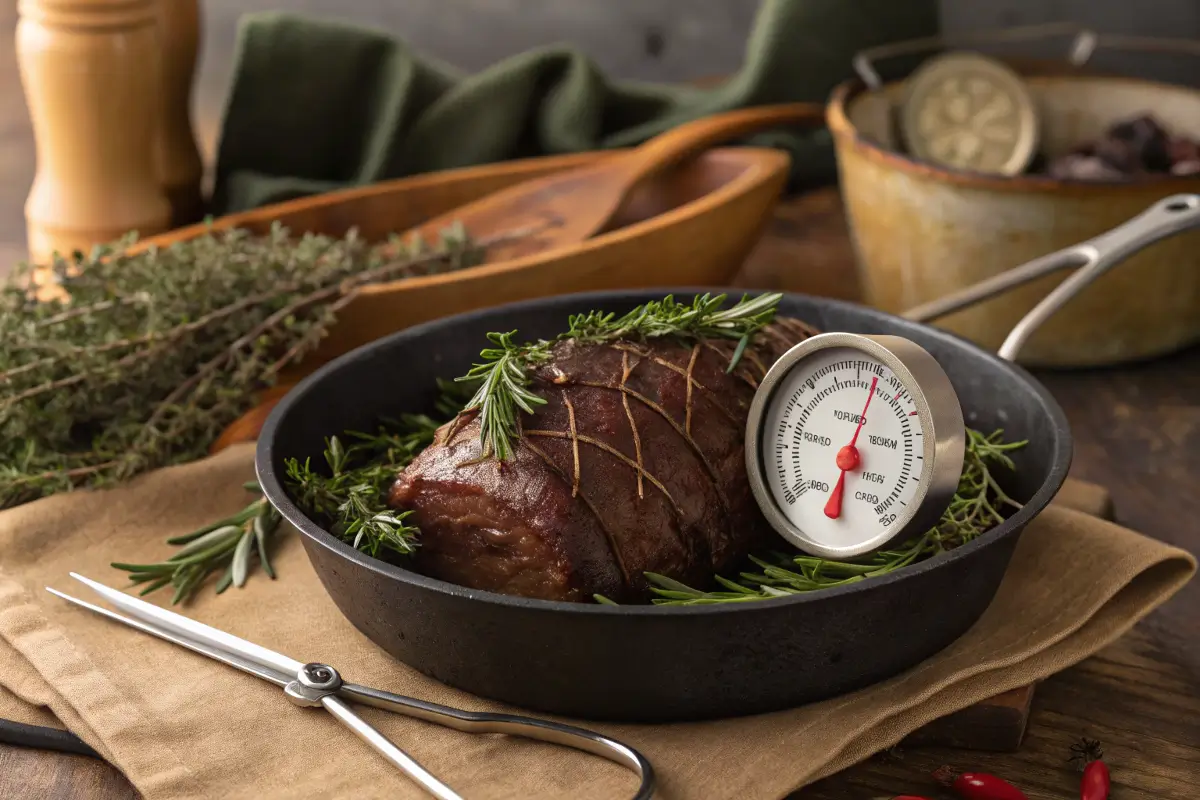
[(140, 359), (505, 372), (975, 508)]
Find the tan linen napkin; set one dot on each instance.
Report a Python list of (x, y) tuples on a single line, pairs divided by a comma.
[(181, 726)]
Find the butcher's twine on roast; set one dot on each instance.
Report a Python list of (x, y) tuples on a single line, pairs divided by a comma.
[(635, 464)]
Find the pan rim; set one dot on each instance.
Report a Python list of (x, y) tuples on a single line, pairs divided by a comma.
[(273, 490)]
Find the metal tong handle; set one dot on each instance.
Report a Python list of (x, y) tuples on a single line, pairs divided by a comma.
[(1093, 257), (386, 748), (510, 724), (321, 685)]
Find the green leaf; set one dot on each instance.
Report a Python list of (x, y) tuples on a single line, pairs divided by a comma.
[(221, 535), (241, 559)]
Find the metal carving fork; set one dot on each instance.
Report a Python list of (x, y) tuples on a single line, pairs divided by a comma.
[(320, 685)]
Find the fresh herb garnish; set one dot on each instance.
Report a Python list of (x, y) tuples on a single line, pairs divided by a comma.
[(140, 360), (347, 499), (504, 373), (974, 509), (350, 502), (230, 543)]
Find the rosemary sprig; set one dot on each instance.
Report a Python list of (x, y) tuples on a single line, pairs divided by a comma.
[(145, 357), (975, 508), (348, 499), (351, 500), (230, 543), (504, 374)]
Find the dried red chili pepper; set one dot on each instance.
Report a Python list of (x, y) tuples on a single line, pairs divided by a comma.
[(978, 785), (1095, 782)]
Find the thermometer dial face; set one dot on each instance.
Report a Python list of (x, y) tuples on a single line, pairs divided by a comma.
[(842, 398), (853, 441)]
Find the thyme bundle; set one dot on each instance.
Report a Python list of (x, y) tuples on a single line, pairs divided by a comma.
[(145, 357)]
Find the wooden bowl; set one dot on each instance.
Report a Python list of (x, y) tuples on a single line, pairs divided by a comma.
[(692, 226), (922, 231)]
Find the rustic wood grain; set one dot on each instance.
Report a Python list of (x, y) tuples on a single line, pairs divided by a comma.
[(26, 774), (1136, 697), (997, 724)]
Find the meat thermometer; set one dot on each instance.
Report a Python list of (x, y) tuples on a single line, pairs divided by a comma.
[(854, 441)]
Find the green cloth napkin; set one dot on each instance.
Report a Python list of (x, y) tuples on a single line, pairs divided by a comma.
[(317, 105)]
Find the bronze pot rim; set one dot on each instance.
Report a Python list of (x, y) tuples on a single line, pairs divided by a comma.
[(847, 135)]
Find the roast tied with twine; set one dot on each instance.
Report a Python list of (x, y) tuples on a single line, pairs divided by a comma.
[(632, 464), (179, 725)]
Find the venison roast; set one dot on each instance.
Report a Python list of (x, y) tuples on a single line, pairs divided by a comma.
[(635, 464)]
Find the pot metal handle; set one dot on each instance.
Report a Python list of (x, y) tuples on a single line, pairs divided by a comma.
[(1094, 257), (864, 61), (1083, 45)]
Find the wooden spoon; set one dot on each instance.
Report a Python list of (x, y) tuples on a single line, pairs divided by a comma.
[(571, 206)]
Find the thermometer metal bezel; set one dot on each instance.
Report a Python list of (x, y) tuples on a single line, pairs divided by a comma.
[(943, 436)]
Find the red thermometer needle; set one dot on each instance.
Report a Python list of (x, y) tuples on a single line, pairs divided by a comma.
[(848, 459)]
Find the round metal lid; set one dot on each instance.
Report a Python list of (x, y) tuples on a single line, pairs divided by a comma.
[(967, 111)]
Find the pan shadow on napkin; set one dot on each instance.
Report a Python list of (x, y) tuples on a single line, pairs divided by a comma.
[(317, 105), (181, 726)]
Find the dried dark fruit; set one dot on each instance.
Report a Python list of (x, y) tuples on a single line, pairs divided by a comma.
[(1136, 146)]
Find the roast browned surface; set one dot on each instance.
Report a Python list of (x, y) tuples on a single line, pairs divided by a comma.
[(635, 464)]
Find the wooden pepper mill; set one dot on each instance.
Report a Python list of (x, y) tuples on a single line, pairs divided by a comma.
[(92, 75), (176, 156)]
